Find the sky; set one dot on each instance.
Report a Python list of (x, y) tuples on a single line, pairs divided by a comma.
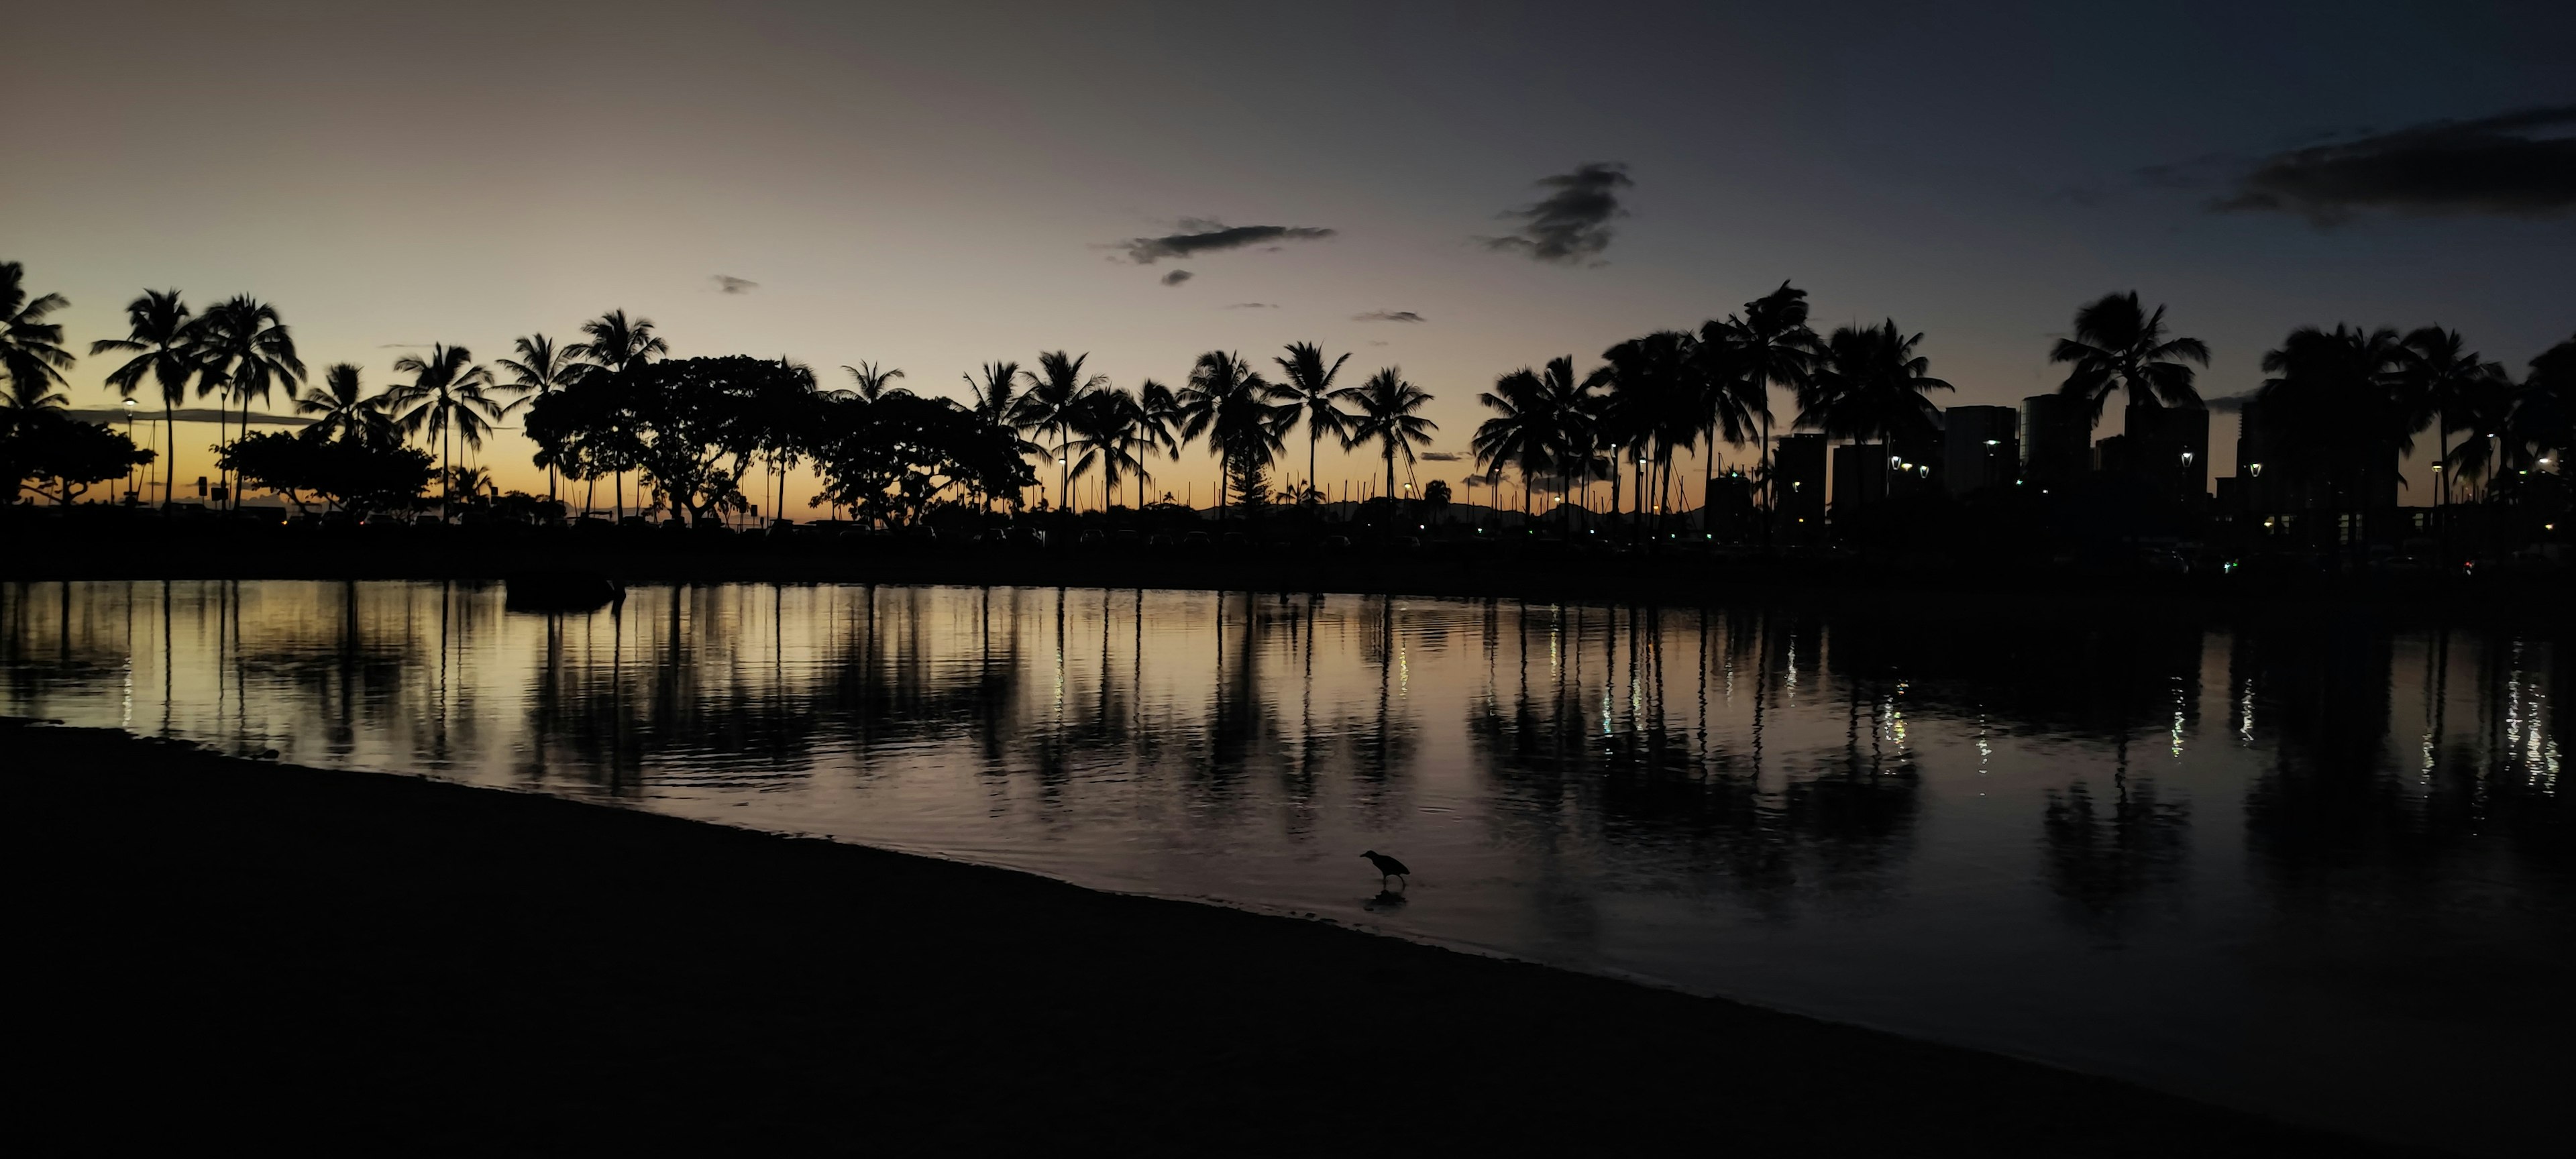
[(1455, 190)]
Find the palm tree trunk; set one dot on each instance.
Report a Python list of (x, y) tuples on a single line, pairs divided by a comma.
[(1707, 480), (169, 448)]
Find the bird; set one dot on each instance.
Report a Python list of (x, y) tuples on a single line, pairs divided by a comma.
[(1387, 867)]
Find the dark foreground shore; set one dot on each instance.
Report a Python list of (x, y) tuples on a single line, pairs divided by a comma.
[(218, 949)]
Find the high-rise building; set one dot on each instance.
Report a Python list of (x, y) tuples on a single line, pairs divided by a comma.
[(2056, 439), (1981, 448), (2169, 450)]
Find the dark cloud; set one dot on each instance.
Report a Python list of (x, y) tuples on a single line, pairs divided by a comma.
[(1440, 456), (1202, 236), (733, 285), (1571, 225), (1389, 316), (1176, 277), (1253, 306), (2228, 403), (2517, 164)]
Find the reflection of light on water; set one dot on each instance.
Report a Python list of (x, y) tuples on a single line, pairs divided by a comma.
[(2245, 714), (2177, 719)]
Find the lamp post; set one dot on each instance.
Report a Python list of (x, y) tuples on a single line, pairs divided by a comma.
[(128, 403)]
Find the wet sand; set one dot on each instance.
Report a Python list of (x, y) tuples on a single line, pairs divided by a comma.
[(212, 948)]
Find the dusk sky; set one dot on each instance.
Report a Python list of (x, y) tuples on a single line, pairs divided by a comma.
[(933, 187)]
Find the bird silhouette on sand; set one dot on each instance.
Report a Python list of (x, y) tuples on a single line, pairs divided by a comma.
[(1388, 867)]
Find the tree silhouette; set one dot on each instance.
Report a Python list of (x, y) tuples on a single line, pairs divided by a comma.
[(617, 345), (2118, 345), (246, 353), (1244, 417), (1304, 375), (871, 381), (445, 397), (343, 408), (2342, 394), (1867, 384), (164, 349), (1535, 411), (1055, 392), (1386, 405), (540, 369), (1773, 347), (2443, 382), (31, 349)]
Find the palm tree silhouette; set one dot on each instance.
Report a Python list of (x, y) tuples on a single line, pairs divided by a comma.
[(1386, 404), (997, 402), (1055, 389), (540, 369), (1535, 410), (446, 397), (1304, 375), (2543, 418), (164, 348), (2443, 381), (1109, 432), (1656, 401), (2118, 345), (1735, 398), (246, 352), (1868, 384), (872, 381), (31, 349), (1774, 347), (2342, 395), (343, 408), (1244, 417), (618, 345)]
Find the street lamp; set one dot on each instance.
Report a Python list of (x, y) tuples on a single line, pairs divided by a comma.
[(2254, 469)]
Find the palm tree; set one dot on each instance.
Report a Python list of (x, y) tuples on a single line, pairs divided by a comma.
[(1244, 416), (1056, 388), (2342, 397), (446, 396), (618, 345), (1158, 423), (1305, 375), (997, 402), (872, 381), (2118, 345), (2543, 421), (540, 369), (158, 336), (1868, 385), (1386, 404), (1535, 412), (1735, 400), (2442, 379), (1774, 347), (31, 349), (1656, 402), (1110, 432), (246, 352), (343, 408)]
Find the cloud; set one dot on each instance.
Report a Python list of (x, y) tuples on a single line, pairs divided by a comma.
[(1253, 306), (2229, 403), (1389, 316), (2512, 165), (1176, 277), (1439, 456), (1572, 225), (733, 285), (1202, 236)]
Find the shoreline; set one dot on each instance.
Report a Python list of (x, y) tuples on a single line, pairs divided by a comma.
[(277, 950)]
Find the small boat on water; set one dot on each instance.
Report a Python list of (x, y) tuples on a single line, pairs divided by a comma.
[(561, 591)]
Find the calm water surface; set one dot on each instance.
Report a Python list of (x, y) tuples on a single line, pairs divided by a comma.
[(2322, 871)]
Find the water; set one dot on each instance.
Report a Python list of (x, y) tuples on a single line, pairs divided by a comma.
[(2317, 870)]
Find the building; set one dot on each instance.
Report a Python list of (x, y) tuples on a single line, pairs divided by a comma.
[(2281, 475), (2169, 450), (1799, 466), (2056, 439), (1980, 448)]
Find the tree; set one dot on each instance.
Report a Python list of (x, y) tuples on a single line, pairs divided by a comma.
[(872, 381), (540, 369), (1773, 347), (1656, 401), (42, 445), (1435, 495), (1735, 397), (1534, 412), (1386, 405), (687, 417), (2543, 422), (359, 475), (617, 345), (343, 409), (894, 458), (2341, 395), (1305, 376), (445, 397), (2443, 381), (1110, 433), (164, 349), (31, 349), (1055, 391), (1244, 416), (997, 406), (246, 352), (2118, 345), (1868, 384)]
